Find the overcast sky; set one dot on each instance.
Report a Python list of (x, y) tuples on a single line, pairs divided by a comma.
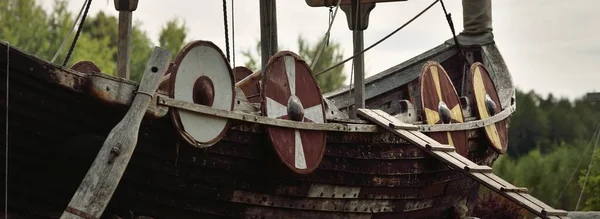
[(549, 45)]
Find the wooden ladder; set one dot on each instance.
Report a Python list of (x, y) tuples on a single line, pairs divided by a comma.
[(446, 153)]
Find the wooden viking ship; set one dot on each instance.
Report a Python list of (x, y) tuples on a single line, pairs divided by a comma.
[(217, 142)]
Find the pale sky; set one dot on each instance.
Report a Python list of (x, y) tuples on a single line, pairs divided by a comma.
[(548, 45)]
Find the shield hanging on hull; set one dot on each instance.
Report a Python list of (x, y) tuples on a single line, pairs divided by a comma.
[(441, 105), (487, 104), (289, 91), (201, 74)]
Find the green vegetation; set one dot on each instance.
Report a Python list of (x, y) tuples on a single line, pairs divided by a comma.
[(331, 55), (548, 139), (26, 25)]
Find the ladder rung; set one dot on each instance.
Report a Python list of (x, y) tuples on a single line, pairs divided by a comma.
[(440, 147), (554, 212), (514, 189), (478, 169)]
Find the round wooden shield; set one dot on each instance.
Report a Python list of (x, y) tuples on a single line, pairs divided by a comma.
[(290, 92), (441, 105), (201, 74), (252, 91), (86, 67), (488, 104)]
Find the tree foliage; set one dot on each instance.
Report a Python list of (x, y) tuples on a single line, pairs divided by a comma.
[(172, 36), (548, 139), (332, 54), (26, 25)]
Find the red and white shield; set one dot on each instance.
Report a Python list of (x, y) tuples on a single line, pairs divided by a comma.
[(291, 92)]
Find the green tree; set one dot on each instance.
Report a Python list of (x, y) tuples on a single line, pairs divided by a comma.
[(527, 125), (26, 25), (253, 57), (591, 199), (104, 26), (331, 55), (548, 176), (172, 36)]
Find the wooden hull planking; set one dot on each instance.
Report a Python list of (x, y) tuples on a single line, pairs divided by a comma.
[(56, 130)]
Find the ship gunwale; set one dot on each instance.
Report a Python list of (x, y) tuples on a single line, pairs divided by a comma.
[(119, 91)]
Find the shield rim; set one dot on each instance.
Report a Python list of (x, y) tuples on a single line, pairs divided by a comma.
[(175, 117)]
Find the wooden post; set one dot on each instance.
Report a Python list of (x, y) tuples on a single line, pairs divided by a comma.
[(125, 8), (359, 72), (101, 180), (357, 15), (250, 79), (268, 30)]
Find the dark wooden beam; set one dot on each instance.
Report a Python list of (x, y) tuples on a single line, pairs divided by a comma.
[(125, 8), (268, 30)]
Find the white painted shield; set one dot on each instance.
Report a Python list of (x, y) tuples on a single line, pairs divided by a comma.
[(197, 59)]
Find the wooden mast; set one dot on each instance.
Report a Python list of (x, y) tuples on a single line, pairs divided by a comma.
[(357, 15), (268, 30), (125, 8)]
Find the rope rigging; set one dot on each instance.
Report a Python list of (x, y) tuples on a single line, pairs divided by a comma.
[(6, 138), (326, 38), (381, 40), (595, 135), (226, 30), (87, 8), (456, 43), (70, 31), (587, 175), (352, 67)]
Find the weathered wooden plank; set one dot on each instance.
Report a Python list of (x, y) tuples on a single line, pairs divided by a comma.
[(462, 159), (454, 163), (446, 148), (478, 169), (482, 174), (119, 92), (514, 189), (166, 101), (394, 122), (106, 171), (491, 184), (250, 79)]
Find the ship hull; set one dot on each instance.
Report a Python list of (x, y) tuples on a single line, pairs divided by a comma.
[(55, 132)]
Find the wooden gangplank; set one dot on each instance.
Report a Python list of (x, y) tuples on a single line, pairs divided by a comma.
[(482, 174)]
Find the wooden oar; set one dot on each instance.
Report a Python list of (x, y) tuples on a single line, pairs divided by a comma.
[(250, 79), (101, 180)]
